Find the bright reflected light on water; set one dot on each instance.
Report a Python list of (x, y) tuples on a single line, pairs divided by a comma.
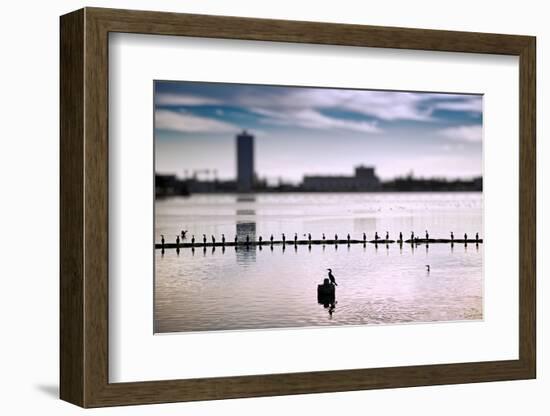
[(229, 289)]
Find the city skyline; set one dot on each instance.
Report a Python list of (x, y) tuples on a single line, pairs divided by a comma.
[(316, 131)]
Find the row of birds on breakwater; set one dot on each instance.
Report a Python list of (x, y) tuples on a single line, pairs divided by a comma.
[(414, 239)]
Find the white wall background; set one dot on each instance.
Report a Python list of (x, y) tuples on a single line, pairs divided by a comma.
[(29, 160)]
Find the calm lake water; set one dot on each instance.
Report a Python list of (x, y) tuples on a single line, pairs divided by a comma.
[(231, 289)]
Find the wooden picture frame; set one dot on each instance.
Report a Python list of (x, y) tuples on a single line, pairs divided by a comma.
[(84, 207)]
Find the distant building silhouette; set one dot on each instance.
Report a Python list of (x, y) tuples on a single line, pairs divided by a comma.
[(365, 179), (245, 162)]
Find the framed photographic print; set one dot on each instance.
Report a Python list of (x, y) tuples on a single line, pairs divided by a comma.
[(255, 207)]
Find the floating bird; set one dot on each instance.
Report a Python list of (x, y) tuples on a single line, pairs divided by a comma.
[(428, 268), (427, 235), (331, 277), (387, 235), (183, 234)]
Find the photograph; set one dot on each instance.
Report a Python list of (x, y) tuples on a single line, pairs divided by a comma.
[(283, 206)]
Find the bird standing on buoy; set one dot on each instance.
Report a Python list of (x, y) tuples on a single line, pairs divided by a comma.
[(331, 277)]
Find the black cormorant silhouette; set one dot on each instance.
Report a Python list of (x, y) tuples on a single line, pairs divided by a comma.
[(162, 239), (324, 237), (284, 238), (236, 240), (428, 268), (400, 236), (427, 235), (387, 235), (348, 237), (412, 236), (477, 236), (178, 240), (452, 236), (193, 239), (336, 238), (271, 238), (247, 239), (331, 277), (309, 237), (223, 238), (465, 237), (364, 237), (260, 239), (376, 236), (295, 238), (204, 239)]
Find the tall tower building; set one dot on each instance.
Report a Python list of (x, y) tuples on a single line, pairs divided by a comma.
[(245, 162)]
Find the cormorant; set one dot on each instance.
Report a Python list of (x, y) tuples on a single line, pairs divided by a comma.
[(213, 240), (247, 239), (412, 236), (364, 237), (400, 236), (204, 239), (295, 238), (428, 268), (236, 240), (452, 236), (477, 236), (162, 239), (376, 236), (178, 240), (284, 238), (336, 238), (260, 239), (223, 238), (193, 239), (309, 237), (427, 235), (271, 238), (348, 237), (465, 237), (387, 235), (331, 277), (324, 237)]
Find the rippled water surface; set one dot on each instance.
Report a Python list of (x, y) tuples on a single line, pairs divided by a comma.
[(228, 289)]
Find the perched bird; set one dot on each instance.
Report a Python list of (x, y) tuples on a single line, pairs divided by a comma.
[(387, 235), (213, 240), (412, 235), (400, 236), (247, 239), (335, 237), (204, 239), (428, 268), (427, 235), (376, 236), (331, 277), (260, 239), (193, 239), (465, 237), (236, 240), (309, 237), (348, 237), (284, 238), (295, 238), (324, 237), (364, 237), (162, 239), (177, 240), (271, 238), (477, 236), (223, 238), (452, 236)]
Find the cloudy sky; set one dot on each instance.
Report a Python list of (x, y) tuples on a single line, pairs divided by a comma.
[(316, 130)]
